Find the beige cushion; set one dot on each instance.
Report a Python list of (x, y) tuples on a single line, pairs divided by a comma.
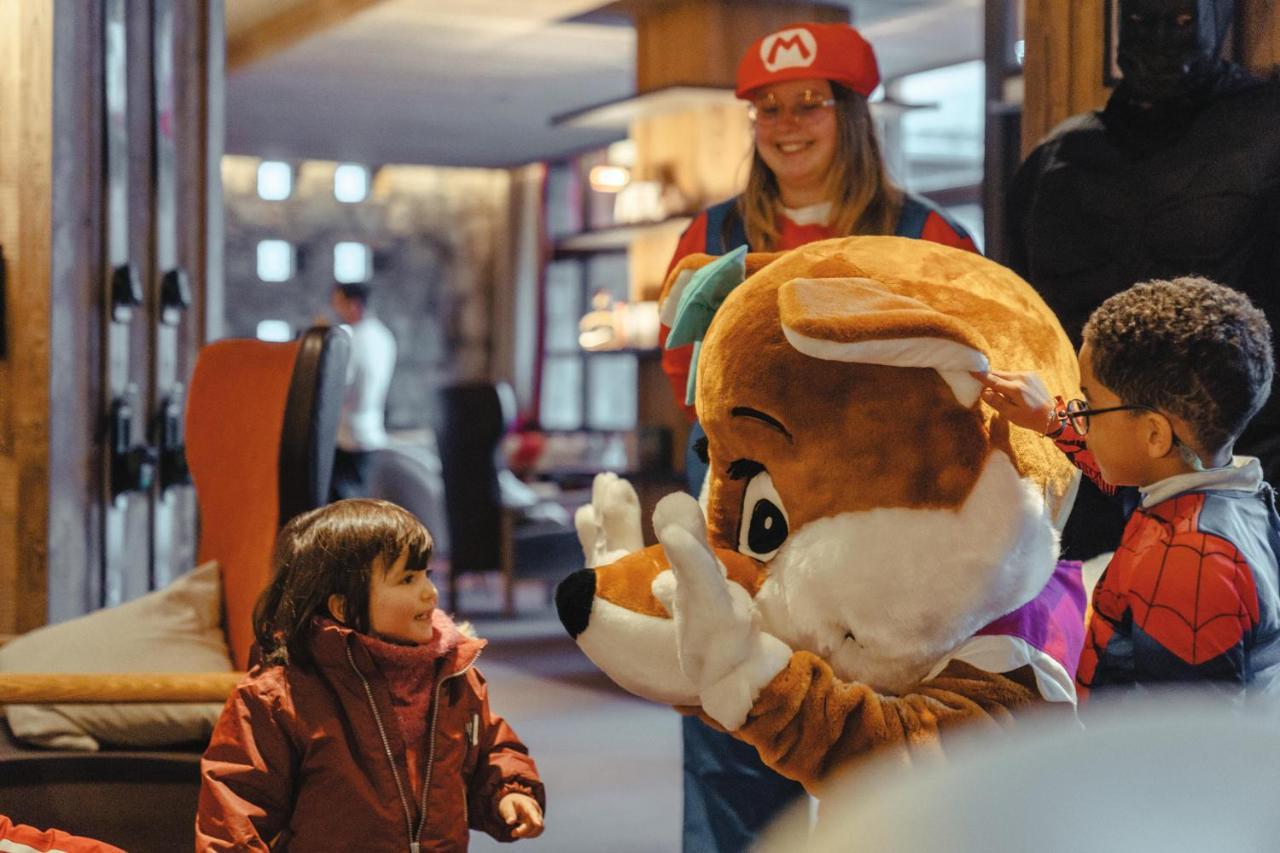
[(176, 629)]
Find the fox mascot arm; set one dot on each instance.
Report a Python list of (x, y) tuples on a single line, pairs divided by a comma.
[(803, 720)]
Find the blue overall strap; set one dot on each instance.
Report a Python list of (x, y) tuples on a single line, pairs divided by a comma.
[(915, 212), (725, 228)]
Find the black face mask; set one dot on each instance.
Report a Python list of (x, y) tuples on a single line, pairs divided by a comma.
[(1170, 48)]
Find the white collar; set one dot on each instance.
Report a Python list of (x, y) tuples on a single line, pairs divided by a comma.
[(1241, 474), (813, 214)]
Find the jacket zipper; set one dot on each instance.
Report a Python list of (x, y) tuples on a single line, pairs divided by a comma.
[(415, 838), (386, 746), (431, 750)]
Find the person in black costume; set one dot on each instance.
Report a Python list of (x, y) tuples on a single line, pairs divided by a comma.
[(1179, 175)]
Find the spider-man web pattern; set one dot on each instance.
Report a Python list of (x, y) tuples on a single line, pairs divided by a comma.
[(1191, 593)]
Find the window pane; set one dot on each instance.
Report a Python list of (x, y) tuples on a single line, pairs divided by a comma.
[(564, 201), (275, 260), (562, 392), (564, 306), (274, 330), (351, 262), (942, 146), (608, 273), (611, 392), (350, 183), (275, 180)]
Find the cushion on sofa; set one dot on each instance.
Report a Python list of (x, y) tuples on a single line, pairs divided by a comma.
[(176, 629)]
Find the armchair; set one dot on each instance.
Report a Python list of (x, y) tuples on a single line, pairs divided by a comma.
[(261, 425)]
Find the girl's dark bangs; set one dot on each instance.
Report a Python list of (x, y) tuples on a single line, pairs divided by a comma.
[(406, 535), (419, 548)]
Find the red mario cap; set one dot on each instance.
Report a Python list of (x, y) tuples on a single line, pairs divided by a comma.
[(835, 52)]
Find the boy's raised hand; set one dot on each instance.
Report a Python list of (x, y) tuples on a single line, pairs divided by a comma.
[(1021, 397), (523, 813)]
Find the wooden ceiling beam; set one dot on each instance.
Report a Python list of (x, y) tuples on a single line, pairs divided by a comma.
[(288, 27)]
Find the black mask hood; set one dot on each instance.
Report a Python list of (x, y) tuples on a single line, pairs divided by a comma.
[(1169, 49)]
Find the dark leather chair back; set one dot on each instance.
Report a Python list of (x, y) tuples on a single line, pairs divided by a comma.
[(311, 415), (471, 420)]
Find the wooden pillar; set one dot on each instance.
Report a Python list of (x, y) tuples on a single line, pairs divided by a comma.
[(1065, 49), (699, 42), (706, 151), (1258, 33), (26, 103), (1003, 132), (1062, 69), (53, 198)]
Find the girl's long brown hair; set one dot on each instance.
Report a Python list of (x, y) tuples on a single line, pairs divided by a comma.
[(325, 551), (863, 198)]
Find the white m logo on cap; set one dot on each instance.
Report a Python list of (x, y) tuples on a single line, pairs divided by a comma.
[(788, 49)]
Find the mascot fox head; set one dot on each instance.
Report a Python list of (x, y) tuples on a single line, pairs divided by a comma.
[(858, 489)]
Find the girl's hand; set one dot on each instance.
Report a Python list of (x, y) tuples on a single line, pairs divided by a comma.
[(1021, 397), (522, 812)]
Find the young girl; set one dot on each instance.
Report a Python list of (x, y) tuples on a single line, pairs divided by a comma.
[(367, 725)]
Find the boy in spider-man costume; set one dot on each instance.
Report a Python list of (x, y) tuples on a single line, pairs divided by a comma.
[(1171, 372)]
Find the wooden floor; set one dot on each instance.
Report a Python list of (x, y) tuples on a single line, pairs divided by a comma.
[(610, 761)]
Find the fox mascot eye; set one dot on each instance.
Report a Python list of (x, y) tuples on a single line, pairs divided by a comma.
[(764, 527)]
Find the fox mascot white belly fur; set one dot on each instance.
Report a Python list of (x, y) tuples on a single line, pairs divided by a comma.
[(874, 557)]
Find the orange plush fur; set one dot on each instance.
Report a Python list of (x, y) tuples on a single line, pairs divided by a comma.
[(834, 388)]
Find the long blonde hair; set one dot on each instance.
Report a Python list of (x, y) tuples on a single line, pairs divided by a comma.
[(863, 198)]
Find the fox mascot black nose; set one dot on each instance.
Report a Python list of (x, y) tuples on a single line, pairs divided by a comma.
[(573, 600)]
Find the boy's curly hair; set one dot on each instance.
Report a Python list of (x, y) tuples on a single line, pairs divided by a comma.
[(1189, 347)]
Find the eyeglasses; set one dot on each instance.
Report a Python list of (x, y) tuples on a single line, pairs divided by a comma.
[(767, 111), (1077, 413)]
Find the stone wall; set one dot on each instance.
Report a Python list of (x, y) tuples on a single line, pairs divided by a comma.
[(441, 243)]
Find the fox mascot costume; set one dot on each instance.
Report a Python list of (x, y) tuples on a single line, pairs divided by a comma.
[(873, 560)]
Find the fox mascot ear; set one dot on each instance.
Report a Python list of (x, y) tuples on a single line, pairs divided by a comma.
[(694, 291), (859, 320), (696, 304)]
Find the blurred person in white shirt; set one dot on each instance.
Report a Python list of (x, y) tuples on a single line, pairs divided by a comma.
[(361, 428)]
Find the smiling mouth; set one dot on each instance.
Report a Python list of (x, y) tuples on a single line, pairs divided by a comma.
[(793, 147)]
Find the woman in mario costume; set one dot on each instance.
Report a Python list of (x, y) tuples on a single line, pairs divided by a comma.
[(816, 172), (816, 168)]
